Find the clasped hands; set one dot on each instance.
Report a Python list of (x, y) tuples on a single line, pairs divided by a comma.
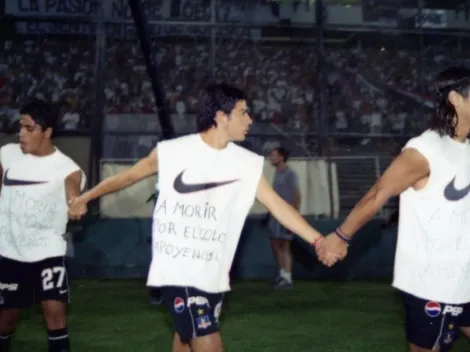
[(77, 208), (331, 249)]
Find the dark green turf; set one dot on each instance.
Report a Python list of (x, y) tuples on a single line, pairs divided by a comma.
[(114, 316)]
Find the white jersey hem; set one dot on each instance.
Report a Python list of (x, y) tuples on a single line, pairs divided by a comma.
[(427, 297), (35, 260), (196, 286)]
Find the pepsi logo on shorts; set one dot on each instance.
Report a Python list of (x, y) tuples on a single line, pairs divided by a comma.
[(178, 304), (432, 309)]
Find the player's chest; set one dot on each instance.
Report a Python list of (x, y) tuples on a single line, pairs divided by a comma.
[(211, 184), (32, 178)]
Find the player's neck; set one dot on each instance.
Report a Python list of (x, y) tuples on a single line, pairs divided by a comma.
[(462, 130), (44, 150), (215, 139)]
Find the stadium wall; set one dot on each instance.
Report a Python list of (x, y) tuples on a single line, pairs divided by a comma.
[(121, 249)]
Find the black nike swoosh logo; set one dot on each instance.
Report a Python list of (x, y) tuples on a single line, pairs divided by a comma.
[(453, 194), (183, 188), (12, 182)]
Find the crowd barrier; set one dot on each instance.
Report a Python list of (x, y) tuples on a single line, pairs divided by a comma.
[(121, 249), (312, 174)]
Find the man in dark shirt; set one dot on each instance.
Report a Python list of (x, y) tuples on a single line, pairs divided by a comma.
[(286, 185)]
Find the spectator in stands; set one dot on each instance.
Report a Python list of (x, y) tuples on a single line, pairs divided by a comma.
[(370, 88), (286, 185)]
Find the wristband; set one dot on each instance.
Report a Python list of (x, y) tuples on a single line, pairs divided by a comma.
[(341, 235)]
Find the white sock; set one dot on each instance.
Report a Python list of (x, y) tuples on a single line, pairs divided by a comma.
[(287, 276), (282, 272)]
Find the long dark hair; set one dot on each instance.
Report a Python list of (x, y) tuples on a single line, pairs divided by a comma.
[(455, 78)]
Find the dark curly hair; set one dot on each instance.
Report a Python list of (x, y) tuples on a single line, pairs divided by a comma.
[(217, 97), (43, 113), (455, 78)]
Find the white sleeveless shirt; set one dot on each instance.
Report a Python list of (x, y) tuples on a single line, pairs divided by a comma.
[(205, 196), (33, 204), (433, 250)]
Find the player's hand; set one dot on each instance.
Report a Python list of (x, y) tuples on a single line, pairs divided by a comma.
[(77, 208), (331, 249)]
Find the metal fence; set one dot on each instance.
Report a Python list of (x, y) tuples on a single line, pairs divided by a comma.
[(337, 78)]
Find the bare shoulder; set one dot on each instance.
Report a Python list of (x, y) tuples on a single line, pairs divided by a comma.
[(411, 158), (407, 170), (149, 165), (145, 167), (428, 144), (152, 157)]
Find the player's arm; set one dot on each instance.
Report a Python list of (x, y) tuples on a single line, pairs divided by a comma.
[(405, 171), (72, 185), (144, 168), (284, 212)]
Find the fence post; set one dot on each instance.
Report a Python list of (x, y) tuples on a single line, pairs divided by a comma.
[(213, 35), (97, 123), (141, 24), (320, 15)]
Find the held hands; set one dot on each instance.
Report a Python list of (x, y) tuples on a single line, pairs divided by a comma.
[(331, 249), (77, 208)]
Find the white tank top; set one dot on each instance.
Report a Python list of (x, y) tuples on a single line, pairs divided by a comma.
[(33, 205), (433, 250), (205, 196)]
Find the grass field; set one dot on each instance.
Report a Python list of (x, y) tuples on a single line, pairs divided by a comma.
[(114, 316)]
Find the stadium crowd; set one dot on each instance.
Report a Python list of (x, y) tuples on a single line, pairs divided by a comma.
[(370, 90)]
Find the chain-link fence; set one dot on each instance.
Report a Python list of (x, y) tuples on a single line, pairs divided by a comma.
[(357, 86), (346, 83)]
